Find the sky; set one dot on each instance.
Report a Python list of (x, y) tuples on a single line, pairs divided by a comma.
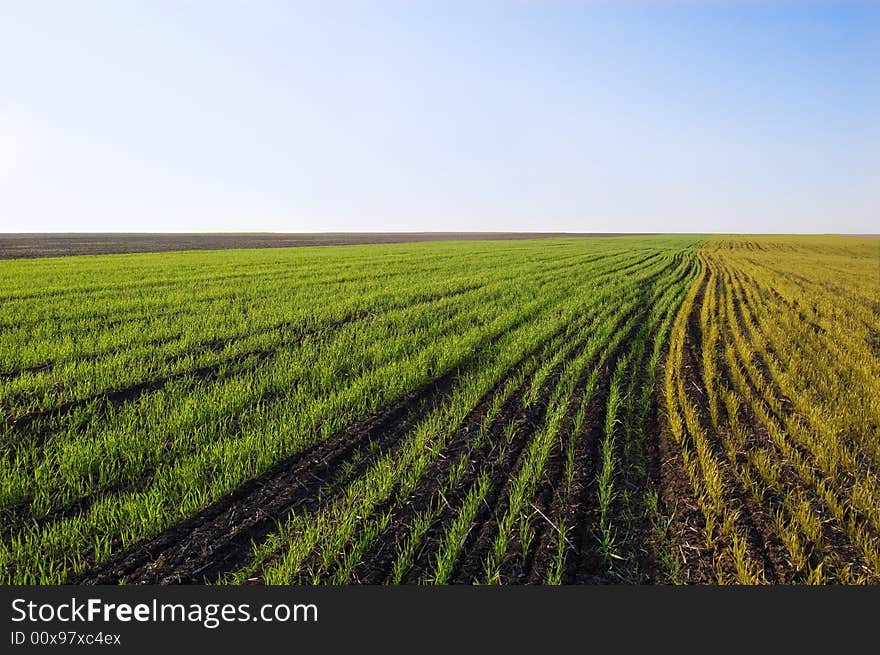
[(628, 116)]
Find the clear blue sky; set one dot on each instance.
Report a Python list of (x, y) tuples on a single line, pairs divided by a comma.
[(578, 116)]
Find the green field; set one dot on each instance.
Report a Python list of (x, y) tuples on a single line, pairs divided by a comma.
[(138, 389), (566, 410)]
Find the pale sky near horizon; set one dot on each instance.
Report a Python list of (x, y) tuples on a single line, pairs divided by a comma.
[(653, 116)]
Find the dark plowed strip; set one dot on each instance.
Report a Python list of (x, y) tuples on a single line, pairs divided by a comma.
[(218, 538), (106, 399), (11, 375), (215, 346), (589, 566), (106, 319), (678, 502), (14, 246), (639, 544), (578, 506), (656, 446)]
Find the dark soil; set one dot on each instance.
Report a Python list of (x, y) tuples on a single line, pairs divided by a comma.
[(29, 246)]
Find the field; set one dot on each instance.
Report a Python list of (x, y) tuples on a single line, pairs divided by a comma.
[(26, 246), (773, 397), (652, 409)]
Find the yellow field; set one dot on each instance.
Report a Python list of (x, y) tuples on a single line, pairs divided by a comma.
[(773, 397)]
